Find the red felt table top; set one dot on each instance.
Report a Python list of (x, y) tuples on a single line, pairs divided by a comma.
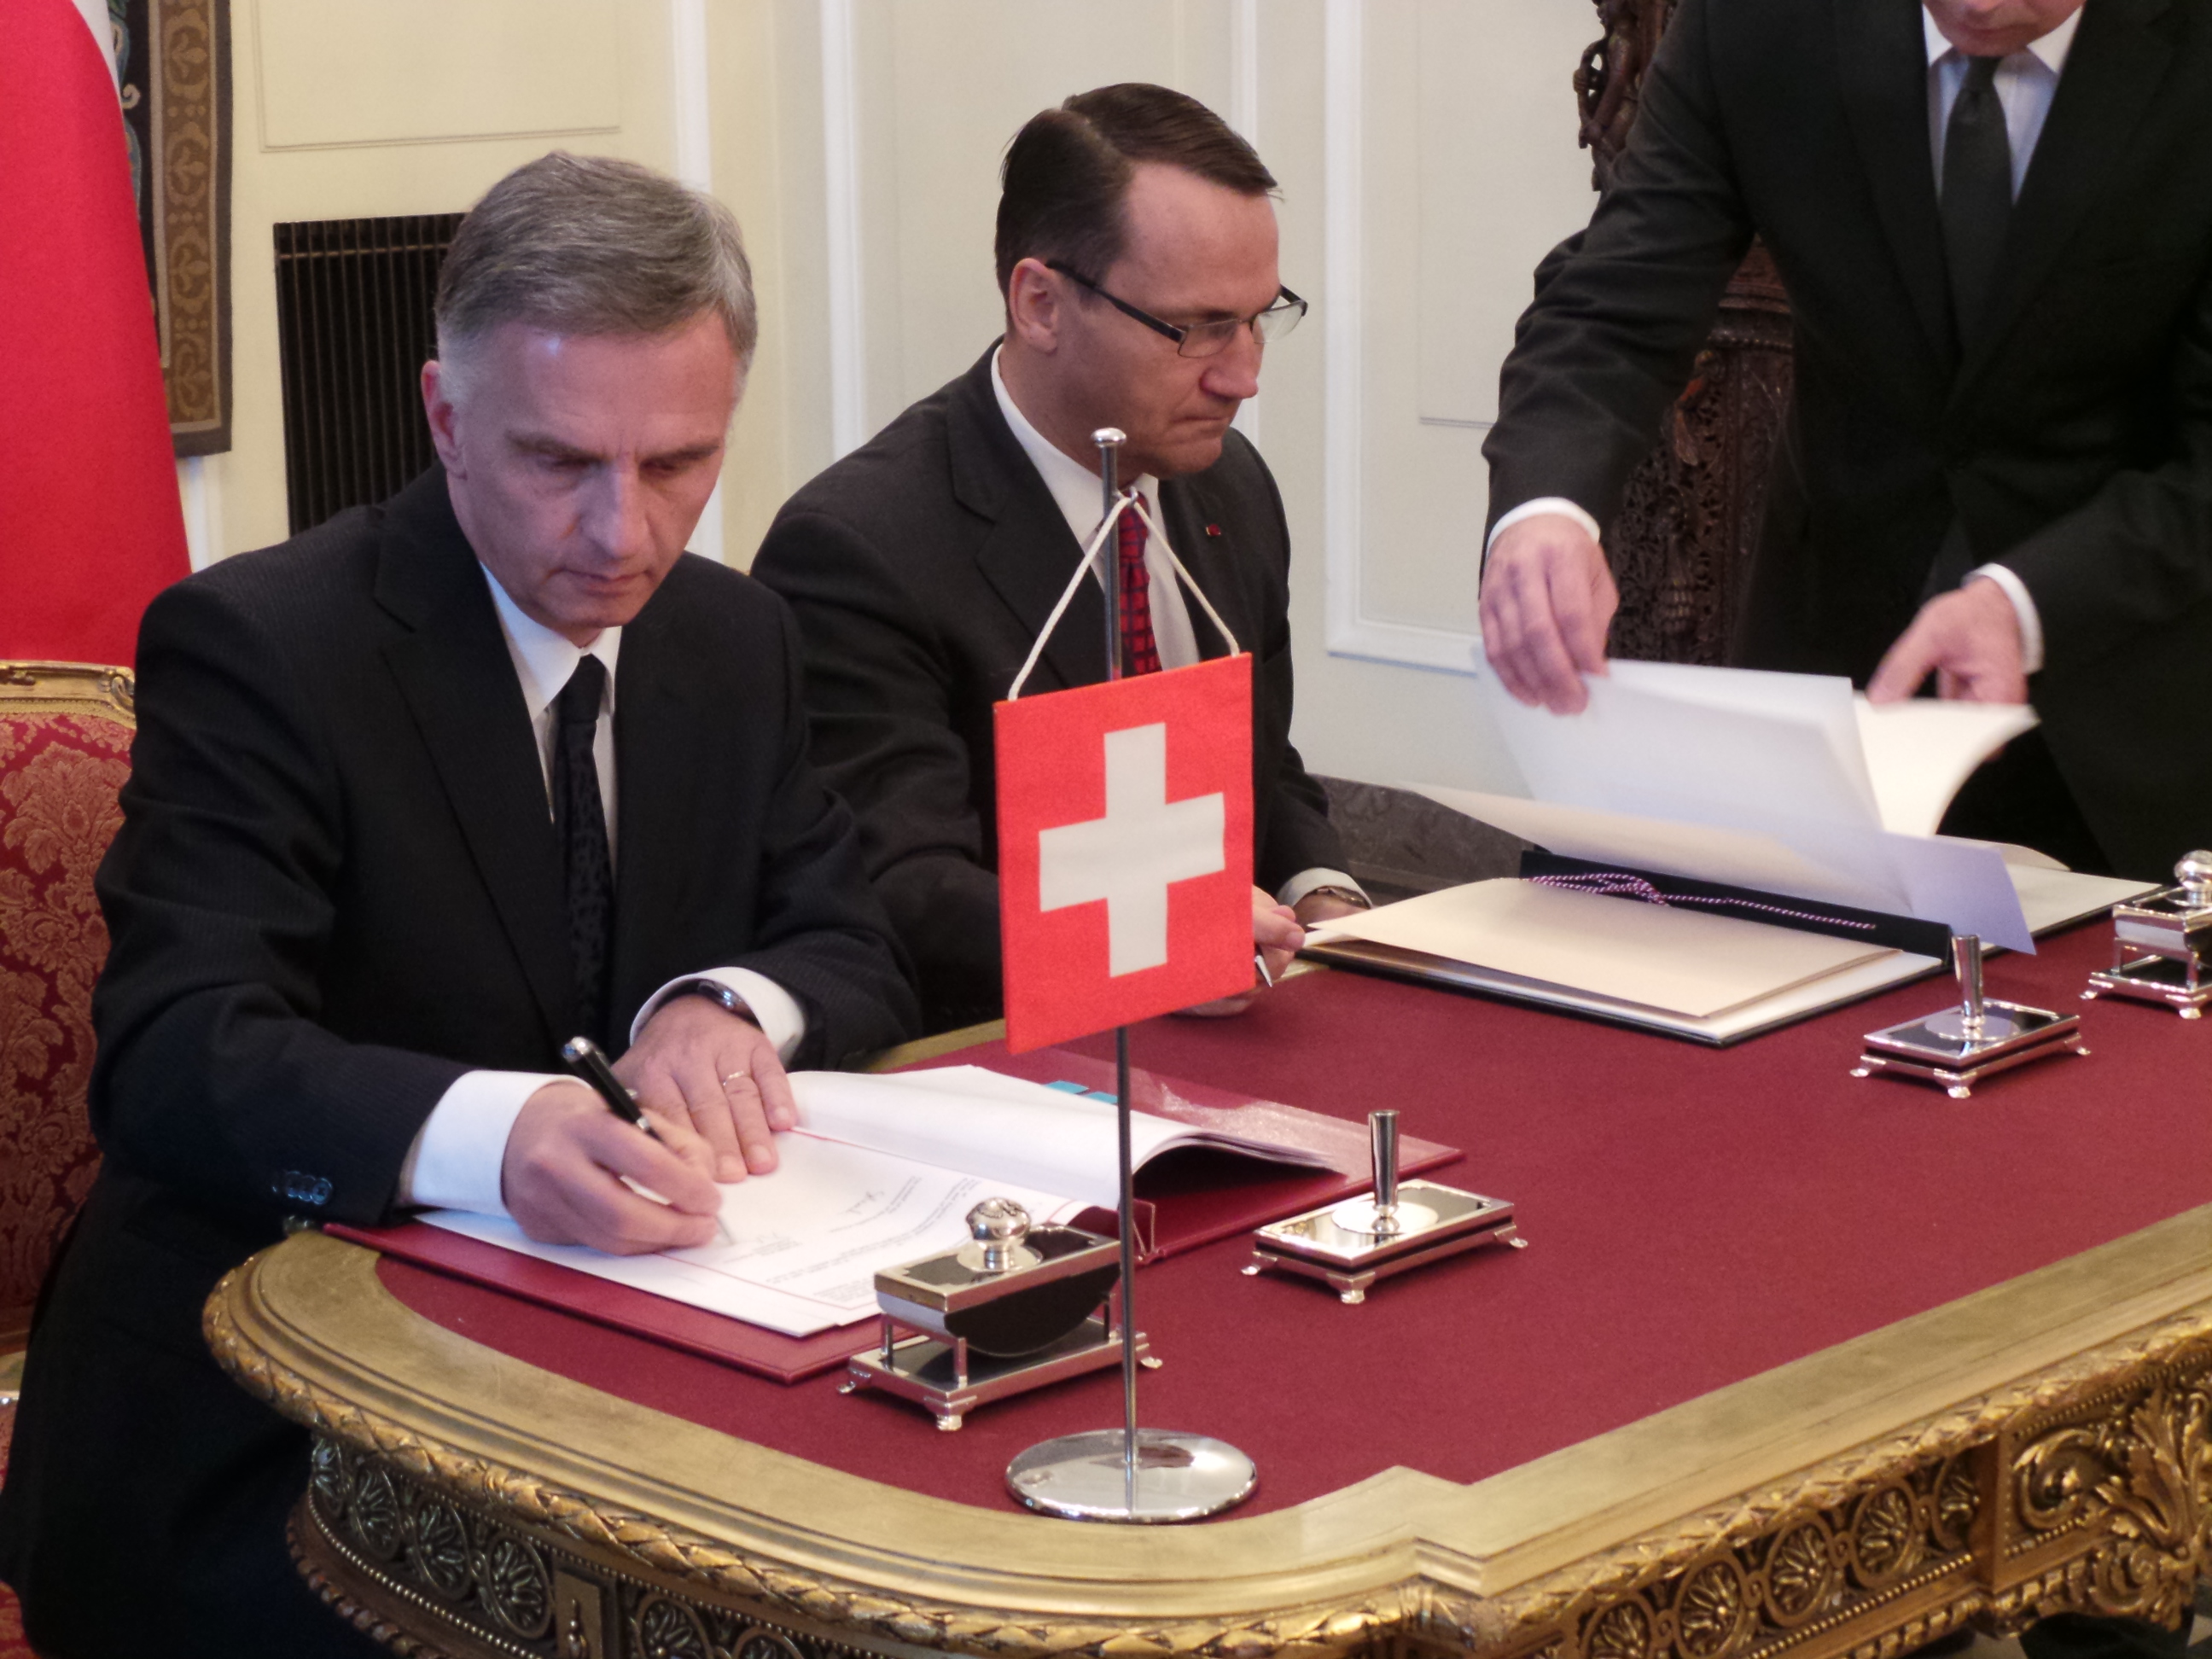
[(1694, 1216)]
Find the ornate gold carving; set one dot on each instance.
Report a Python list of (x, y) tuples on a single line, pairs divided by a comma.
[(667, 1628), (1885, 1534), (1862, 1556), (1713, 1613), (2143, 1468)]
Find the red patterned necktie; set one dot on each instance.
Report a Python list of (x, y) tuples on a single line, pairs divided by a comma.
[(1140, 653)]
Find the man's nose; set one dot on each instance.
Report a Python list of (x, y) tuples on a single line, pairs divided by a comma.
[(614, 517), (1234, 371)]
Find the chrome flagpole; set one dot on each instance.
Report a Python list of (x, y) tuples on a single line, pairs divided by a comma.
[(1190, 1475)]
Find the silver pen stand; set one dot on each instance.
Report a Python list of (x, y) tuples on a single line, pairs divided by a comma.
[(1958, 1046), (1398, 1227)]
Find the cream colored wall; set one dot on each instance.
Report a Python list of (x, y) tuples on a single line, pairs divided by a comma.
[(1426, 149)]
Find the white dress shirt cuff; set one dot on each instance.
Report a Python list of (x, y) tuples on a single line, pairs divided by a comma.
[(775, 1011), (1306, 880), (455, 1162), (1559, 504), (2023, 607)]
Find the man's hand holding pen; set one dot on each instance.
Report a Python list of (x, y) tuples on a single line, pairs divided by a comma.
[(713, 1091)]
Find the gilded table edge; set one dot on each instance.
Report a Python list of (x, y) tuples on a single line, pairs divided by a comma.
[(1390, 1554)]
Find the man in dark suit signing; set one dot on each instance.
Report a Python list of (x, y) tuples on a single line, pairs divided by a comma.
[(1137, 256), (416, 797), (1994, 218)]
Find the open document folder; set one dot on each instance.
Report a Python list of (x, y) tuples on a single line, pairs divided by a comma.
[(1784, 787), (882, 1169)]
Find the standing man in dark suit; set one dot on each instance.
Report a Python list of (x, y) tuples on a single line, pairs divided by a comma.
[(1137, 256), (415, 797), (1994, 218)]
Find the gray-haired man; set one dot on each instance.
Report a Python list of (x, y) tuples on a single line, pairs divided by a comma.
[(417, 796)]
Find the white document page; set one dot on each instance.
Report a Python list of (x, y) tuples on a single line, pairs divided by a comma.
[(1920, 753), (882, 1169), (807, 1238), (1783, 759), (1667, 956)]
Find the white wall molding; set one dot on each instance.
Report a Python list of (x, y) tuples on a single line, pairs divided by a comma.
[(1244, 114), (1348, 630), (840, 197), (691, 114)]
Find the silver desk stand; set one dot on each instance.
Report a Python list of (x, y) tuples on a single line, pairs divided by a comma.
[(2160, 944), (1956, 1048), (1398, 1227)]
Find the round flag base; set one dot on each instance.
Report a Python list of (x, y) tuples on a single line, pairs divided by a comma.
[(1174, 1477)]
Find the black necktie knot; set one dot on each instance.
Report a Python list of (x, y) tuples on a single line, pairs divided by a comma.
[(581, 700)]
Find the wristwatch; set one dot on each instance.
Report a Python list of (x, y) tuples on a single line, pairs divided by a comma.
[(718, 993), (1349, 895)]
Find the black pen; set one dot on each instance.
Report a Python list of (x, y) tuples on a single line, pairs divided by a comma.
[(585, 1059)]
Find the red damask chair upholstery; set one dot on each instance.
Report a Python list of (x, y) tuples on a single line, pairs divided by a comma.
[(65, 735)]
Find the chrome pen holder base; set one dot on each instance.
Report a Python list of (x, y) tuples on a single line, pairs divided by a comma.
[(1348, 1246), (1174, 1477), (949, 1379), (1954, 1053), (2174, 984)]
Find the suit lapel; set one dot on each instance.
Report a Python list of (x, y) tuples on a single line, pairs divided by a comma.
[(657, 721), (1028, 555), (459, 685), (1881, 58), (2112, 74), (1188, 511)]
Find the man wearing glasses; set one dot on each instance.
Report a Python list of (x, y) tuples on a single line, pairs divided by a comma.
[(1136, 249)]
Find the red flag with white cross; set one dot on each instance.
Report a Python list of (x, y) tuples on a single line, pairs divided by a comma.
[(1125, 849)]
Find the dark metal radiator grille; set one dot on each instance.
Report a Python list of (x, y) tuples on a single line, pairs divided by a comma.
[(353, 321)]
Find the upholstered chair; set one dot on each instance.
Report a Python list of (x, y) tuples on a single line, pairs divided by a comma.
[(65, 734)]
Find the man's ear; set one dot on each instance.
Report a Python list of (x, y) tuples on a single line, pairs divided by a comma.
[(437, 409), (1036, 297)]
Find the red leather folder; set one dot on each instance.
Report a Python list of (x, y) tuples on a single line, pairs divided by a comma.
[(1187, 1198)]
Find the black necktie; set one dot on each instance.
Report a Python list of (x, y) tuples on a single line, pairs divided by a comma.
[(580, 818), (1976, 194)]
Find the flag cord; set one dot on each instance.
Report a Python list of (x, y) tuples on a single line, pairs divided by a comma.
[(1128, 501)]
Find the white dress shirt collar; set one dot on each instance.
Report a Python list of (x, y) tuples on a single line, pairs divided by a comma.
[(1074, 486), (2051, 49), (544, 660)]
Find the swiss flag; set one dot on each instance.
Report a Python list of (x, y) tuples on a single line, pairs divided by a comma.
[(1125, 849), (90, 525)]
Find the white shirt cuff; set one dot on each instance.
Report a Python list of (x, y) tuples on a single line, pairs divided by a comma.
[(1559, 504), (775, 1011), (2023, 608), (455, 1162), (1306, 880)]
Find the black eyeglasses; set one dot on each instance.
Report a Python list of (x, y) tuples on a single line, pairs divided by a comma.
[(1203, 339)]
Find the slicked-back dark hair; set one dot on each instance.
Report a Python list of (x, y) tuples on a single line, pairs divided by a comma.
[(1067, 172)]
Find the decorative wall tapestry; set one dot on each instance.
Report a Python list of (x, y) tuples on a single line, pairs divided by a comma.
[(175, 59)]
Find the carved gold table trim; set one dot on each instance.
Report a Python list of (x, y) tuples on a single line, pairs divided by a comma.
[(2038, 1446)]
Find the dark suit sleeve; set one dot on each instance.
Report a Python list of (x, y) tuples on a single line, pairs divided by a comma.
[(879, 693), (2137, 554), (218, 891), (1299, 835), (820, 932), (1618, 318)]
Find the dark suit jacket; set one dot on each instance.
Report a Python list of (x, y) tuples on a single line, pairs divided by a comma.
[(336, 888), (2072, 442), (921, 567)]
